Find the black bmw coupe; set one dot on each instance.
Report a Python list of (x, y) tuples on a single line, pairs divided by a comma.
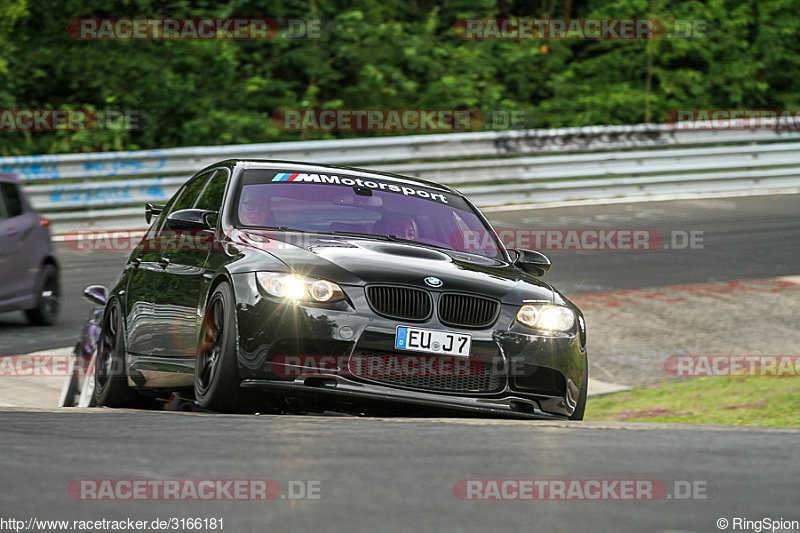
[(338, 288)]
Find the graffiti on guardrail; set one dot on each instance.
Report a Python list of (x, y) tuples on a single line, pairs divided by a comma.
[(32, 167), (74, 194), (546, 141), (141, 162)]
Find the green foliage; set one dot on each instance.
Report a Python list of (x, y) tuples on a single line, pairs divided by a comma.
[(384, 54)]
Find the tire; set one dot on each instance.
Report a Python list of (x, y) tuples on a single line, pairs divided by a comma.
[(110, 380), (48, 303), (216, 377), (577, 414)]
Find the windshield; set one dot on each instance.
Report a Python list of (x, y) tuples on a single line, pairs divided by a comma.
[(390, 208)]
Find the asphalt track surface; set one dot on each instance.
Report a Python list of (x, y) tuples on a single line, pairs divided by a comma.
[(395, 474), (742, 238), (399, 474)]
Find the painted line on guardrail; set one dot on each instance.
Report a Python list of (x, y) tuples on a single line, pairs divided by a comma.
[(638, 199), (97, 234)]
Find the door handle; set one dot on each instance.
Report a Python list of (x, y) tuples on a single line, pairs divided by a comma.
[(164, 262)]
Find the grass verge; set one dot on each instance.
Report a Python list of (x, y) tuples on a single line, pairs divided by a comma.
[(733, 400)]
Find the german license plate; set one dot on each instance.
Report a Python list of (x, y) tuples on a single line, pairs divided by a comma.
[(432, 341)]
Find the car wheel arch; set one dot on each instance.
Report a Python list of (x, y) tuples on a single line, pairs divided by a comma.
[(50, 260), (220, 278)]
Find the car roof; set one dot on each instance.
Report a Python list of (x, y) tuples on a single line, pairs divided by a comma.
[(317, 167)]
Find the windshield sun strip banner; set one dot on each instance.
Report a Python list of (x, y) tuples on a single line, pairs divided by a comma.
[(368, 183)]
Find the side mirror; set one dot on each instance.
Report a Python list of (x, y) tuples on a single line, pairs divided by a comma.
[(96, 294), (152, 210), (192, 219), (532, 262)]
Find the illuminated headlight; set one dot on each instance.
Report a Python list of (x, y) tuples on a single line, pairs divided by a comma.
[(547, 317), (294, 287)]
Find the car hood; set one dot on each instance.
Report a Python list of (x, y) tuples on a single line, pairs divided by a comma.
[(359, 261)]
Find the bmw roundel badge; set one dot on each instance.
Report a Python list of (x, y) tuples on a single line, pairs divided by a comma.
[(433, 281)]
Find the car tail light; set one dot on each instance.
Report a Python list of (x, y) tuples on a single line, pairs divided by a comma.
[(44, 222)]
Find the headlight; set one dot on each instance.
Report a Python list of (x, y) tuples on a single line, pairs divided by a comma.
[(547, 317), (294, 287)]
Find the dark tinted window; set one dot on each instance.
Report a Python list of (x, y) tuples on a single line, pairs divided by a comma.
[(183, 199), (191, 192), (11, 199), (373, 206), (211, 199)]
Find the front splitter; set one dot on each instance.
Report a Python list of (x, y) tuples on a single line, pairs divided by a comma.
[(333, 388)]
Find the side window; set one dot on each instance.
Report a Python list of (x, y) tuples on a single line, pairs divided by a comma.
[(190, 194), (211, 198), (183, 199), (155, 228), (11, 199)]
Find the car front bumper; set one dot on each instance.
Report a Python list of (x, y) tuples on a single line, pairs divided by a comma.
[(538, 376)]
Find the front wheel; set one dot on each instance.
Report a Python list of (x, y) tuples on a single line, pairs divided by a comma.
[(110, 380), (216, 377)]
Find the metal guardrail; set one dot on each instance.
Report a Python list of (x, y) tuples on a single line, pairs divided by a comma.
[(491, 167)]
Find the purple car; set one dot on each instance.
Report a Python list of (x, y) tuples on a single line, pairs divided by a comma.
[(29, 277)]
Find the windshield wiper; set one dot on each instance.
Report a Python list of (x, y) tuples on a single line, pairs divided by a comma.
[(394, 238), (357, 234), (422, 243), (283, 228)]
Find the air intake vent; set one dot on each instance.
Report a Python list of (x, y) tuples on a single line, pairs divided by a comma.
[(404, 303), (477, 379), (467, 311)]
